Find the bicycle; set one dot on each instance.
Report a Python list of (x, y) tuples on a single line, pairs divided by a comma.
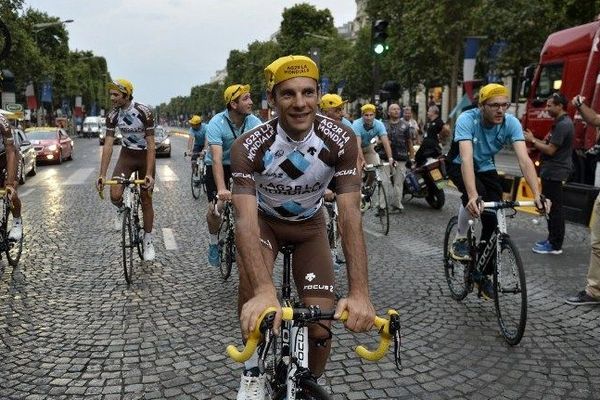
[(12, 248), (286, 363), (368, 192), (226, 240), (508, 273), (131, 231), (198, 180)]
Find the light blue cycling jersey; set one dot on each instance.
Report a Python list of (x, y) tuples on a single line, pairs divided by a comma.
[(378, 129), (487, 142), (346, 122), (199, 136), (221, 131)]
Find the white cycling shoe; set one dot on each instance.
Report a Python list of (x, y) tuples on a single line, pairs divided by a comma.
[(118, 221), (16, 233), (149, 253), (252, 388)]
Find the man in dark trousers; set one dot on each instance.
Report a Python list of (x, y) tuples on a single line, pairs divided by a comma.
[(434, 129), (556, 165)]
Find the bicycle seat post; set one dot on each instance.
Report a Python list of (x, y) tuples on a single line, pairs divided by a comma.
[(286, 289)]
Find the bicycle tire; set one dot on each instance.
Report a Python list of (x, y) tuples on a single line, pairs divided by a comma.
[(13, 248), (127, 246), (509, 288), (138, 237), (307, 390), (225, 244), (456, 272), (6, 43), (196, 184), (384, 212)]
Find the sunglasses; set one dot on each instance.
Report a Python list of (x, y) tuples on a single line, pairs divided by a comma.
[(497, 106)]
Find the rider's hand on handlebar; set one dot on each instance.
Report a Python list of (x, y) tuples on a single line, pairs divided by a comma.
[(253, 308), (10, 192), (100, 183), (224, 195), (361, 312), (148, 182), (475, 206)]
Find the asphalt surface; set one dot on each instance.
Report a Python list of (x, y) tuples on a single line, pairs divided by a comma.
[(70, 327)]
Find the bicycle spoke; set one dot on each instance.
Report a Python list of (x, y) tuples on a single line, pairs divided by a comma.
[(457, 275)]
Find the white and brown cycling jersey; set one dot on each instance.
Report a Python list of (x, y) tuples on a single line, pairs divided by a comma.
[(135, 123), (290, 177), (6, 133)]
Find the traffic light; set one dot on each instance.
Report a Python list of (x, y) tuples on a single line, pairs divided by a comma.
[(378, 36)]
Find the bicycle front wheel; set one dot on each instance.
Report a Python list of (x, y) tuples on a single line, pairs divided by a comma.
[(127, 244), (14, 248), (457, 272), (510, 292), (380, 205), (196, 184), (306, 390), (225, 247)]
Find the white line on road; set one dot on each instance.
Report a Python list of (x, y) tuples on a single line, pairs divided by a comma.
[(370, 232), (79, 177), (156, 189), (165, 173), (26, 192), (169, 239)]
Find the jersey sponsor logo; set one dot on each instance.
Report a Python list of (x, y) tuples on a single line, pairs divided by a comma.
[(311, 150), (242, 175), (334, 132), (291, 190), (310, 276), (273, 175), (345, 172), (255, 140), (279, 153)]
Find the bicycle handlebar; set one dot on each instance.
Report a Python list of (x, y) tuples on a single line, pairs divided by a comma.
[(388, 331), (120, 181)]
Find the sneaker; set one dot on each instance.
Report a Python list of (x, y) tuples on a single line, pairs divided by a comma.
[(16, 233), (399, 210), (487, 288), (460, 249), (213, 255), (582, 298), (149, 253), (252, 388), (118, 221), (540, 243), (546, 248)]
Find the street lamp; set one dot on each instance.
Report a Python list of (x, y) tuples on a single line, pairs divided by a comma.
[(43, 25)]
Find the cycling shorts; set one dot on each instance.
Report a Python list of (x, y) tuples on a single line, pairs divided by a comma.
[(312, 266), (131, 161), (211, 186)]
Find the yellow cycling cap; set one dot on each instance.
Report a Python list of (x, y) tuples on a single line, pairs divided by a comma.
[(491, 90), (234, 91), (195, 120), (121, 85), (288, 67), (368, 107), (331, 100)]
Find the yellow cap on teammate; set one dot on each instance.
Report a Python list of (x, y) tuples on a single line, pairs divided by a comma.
[(195, 120), (491, 90), (368, 107), (121, 85), (331, 100), (234, 91), (289, 67)]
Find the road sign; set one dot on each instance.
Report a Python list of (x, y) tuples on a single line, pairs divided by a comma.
[(13, 107)]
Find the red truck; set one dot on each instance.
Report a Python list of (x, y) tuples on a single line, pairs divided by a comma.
[(569, 62)]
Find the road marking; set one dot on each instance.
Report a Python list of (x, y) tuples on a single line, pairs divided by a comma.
[(166, 174), (371, 232), (156, 189), (79, 177), (26, 192), (169, 239)]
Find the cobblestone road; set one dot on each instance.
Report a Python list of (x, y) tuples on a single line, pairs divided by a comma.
[(71, 328)]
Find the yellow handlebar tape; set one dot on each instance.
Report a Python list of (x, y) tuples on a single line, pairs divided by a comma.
[(251, 343)]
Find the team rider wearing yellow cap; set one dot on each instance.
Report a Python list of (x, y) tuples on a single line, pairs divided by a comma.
[(280, 172), (366, 128), (222, 130), (332, 106), (196, 140), (480, 134), (136, 124)]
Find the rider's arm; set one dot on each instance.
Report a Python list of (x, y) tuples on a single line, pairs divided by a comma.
[(150, 154), (217, 166), (467, 167), (527, 167), (107, 150), (588, 115)]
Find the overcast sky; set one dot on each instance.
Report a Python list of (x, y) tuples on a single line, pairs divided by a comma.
[(167, 46)]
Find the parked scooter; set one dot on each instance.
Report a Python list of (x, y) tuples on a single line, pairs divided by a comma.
[(428, 182)]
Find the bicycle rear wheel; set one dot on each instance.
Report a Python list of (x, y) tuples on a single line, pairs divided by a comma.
[(196, 183), (307, 390), (380, 205), (14, 248), (127, 244), (457, 272), (510, 292)]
